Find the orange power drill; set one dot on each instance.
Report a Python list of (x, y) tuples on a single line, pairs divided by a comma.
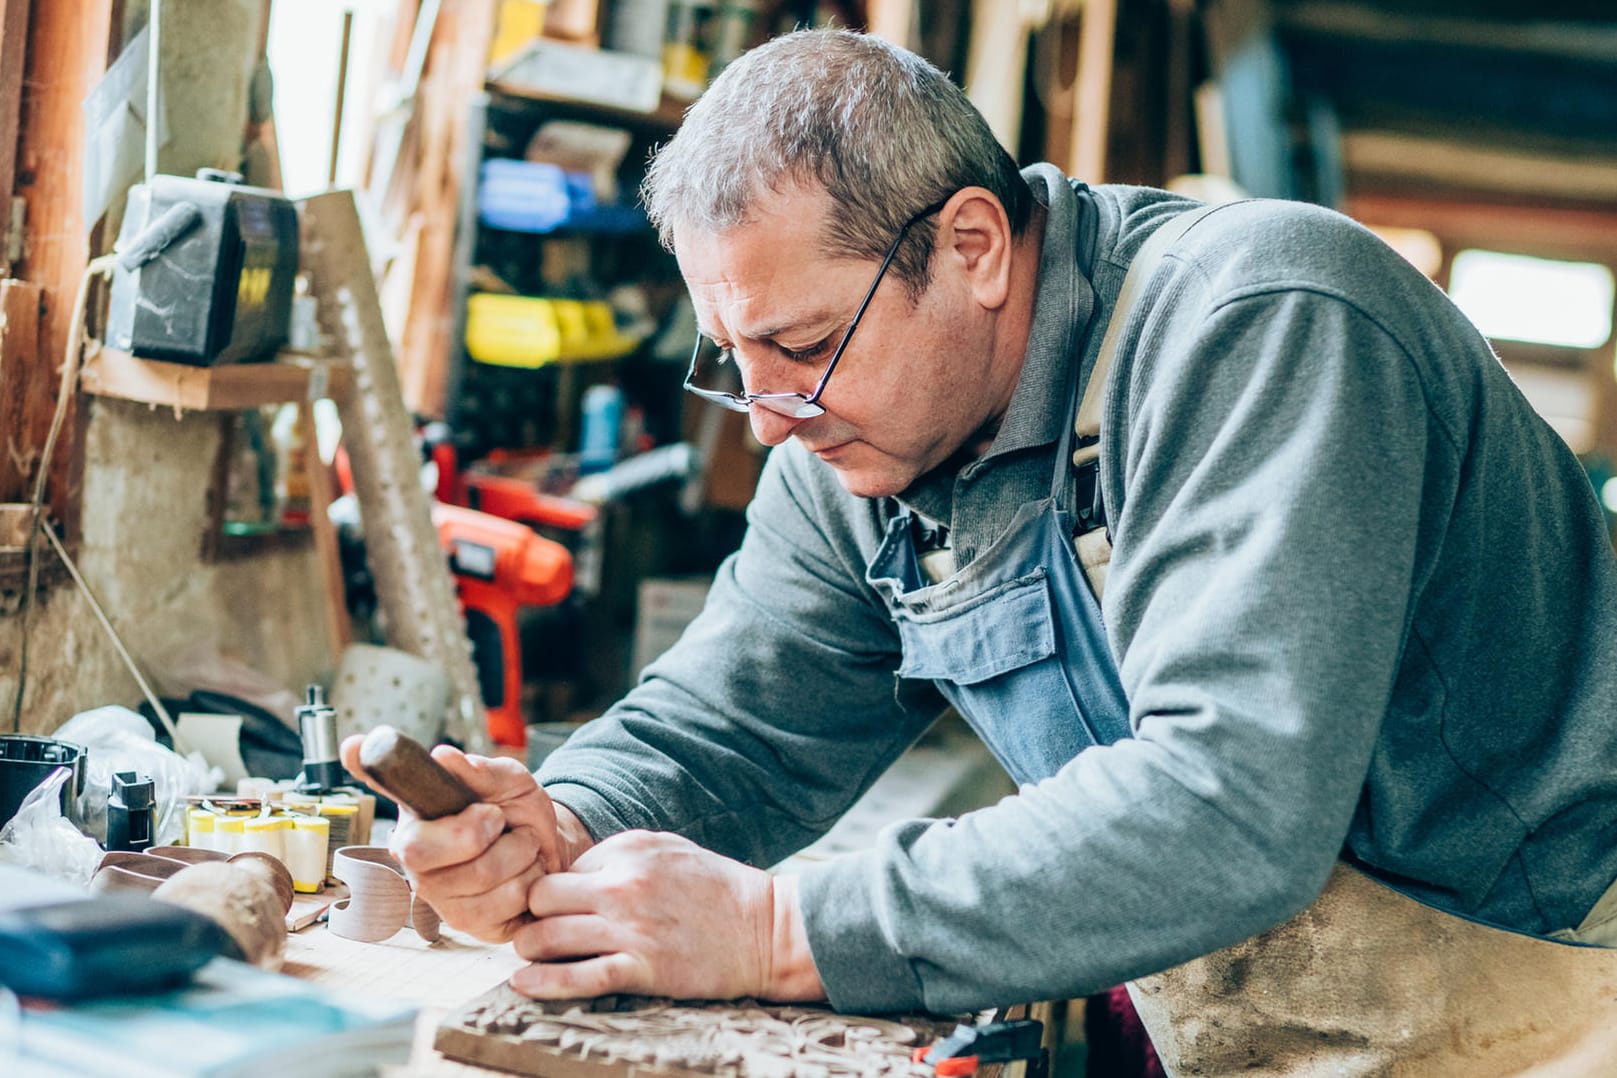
[(499, 567)]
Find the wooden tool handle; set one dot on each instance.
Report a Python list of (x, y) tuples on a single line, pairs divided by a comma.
[(412, 776)]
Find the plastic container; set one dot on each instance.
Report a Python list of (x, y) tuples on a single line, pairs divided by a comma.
[(535, 196), (520, 21), (199, 829), (266, 834), (341, 819), (602, 427), (688, 47), (307, 846), (26, 761), (533, 331), (230, 834)]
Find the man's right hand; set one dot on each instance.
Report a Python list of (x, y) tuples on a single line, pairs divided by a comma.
[(476, 866)]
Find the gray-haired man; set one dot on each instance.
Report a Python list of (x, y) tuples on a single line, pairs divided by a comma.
[(1352, 700)]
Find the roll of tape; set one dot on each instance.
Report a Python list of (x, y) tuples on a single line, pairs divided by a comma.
[(379, 901)]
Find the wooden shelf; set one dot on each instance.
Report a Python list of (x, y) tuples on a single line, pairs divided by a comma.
[(664, 120), (289, 377)]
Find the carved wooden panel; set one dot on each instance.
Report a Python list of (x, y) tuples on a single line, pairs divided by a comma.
[(625, 1036)]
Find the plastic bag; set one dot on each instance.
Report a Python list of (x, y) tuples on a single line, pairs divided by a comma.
[(41, 838), (120, 740)]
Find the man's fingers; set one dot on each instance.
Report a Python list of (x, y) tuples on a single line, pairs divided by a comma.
[(424, 845), (560, 893), (474, 914), (580, 980), (510, 860), (503, 781), (584, 935), (492, 778)]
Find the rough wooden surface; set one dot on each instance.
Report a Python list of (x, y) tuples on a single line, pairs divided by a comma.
[(413, 585), (23, 379), (620, 1036), (13, 46)]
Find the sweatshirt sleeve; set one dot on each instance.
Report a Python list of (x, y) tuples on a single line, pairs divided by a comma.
[(777, 707), (1271, 472)]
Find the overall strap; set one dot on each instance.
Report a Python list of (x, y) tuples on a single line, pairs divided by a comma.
[(1093, 535)]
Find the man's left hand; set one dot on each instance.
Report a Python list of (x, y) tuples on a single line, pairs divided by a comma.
[(651, 913)]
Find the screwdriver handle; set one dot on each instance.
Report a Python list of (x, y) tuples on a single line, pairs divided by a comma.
[(412, 777)]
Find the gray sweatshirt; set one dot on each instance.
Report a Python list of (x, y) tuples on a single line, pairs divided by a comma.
[(1362, 600)]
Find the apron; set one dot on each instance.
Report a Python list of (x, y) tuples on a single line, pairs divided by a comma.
[(1366, 981)]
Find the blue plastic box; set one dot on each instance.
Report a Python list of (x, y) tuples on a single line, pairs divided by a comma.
[(531, 196)]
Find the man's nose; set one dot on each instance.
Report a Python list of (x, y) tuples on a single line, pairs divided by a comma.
[(770, 428)]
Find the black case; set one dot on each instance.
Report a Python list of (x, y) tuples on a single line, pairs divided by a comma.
[(104, 945), (222, 292)]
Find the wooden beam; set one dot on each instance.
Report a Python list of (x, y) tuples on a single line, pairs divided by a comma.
[(13, 52), (892, 20), (1092, 106), (1545, 33), (1501, 226), (995, 68), (455, 71), (111, 373), (23, 422), (339, 629), (67, 55), (1428, 161)]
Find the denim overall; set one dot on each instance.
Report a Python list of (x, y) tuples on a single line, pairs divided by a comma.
[(1014, 640), (1366, 981)]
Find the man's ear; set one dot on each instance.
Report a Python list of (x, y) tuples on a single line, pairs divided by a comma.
[(974, 237)]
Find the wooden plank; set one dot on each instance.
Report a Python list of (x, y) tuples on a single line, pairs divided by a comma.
[(111, 373), (455, 70), (892, 20), (1092, 106), (1433, 161), (339, 631), (664, 120), (22, 377), (13, 49), (995, 68), (67, 54), (413, 585), (1549, 231)]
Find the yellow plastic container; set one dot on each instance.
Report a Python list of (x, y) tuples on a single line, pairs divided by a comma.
[(520, 21), (533, 331), (229, 834), (308, 851), (199, 825), (266, 834)]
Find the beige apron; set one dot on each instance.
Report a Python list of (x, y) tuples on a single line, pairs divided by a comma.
[(1366, 981)]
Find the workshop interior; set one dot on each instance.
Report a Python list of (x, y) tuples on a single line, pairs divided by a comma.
[(342, 393)]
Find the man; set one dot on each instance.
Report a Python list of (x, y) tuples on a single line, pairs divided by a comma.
[(1354, 696)]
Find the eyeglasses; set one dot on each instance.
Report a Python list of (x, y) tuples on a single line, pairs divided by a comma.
[(799, 405)]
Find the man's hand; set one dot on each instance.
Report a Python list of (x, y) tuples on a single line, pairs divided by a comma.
[(651, 913), (475, 867)]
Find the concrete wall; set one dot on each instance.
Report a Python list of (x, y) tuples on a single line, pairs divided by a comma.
[(147, 471)]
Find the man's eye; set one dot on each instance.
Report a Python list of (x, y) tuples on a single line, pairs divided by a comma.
[(810, 352)]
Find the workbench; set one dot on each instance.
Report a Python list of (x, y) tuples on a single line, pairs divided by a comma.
[(437, 977), (951, 774)]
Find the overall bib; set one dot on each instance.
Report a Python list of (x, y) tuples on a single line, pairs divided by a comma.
[(1366, 981)]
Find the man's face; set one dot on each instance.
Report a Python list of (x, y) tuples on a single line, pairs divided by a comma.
[(908, 390)]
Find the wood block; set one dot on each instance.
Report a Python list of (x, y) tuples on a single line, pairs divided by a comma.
[(627, 1036)]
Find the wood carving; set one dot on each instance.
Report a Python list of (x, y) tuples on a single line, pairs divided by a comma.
[(380, 901), (627, 1036)]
